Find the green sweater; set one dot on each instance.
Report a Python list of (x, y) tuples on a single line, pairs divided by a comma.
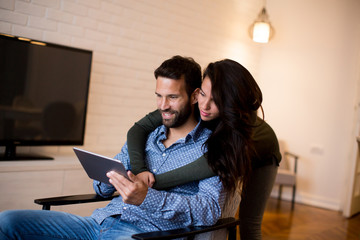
[(265, 142)]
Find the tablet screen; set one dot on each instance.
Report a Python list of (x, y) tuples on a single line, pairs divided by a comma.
[(96, 166)]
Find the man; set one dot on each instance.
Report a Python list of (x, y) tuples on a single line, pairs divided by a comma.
[(139, 208)]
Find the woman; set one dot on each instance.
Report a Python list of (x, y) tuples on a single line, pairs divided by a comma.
[(242, 147)]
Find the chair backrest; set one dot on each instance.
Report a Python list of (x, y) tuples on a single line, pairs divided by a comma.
[(287, 170), (286, 162), (231, 205)]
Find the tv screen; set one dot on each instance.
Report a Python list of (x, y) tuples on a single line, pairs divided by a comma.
[(43, 94)]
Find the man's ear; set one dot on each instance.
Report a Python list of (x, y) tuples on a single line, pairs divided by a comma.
[(194, 96)]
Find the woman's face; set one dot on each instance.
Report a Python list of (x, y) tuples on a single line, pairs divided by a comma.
[(207, 106)]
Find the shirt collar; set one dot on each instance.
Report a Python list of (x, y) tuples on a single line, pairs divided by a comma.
[(193, 134)]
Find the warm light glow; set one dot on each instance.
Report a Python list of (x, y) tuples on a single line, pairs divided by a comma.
[(38, 43), (24, 39), (6, 35), (261, 32)]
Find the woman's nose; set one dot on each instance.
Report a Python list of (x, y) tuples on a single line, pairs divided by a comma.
[(206, 104)]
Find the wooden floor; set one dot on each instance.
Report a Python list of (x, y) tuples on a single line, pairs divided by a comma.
[(307, 222)]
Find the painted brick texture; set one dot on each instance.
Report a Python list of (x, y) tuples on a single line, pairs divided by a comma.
[(129, 39)]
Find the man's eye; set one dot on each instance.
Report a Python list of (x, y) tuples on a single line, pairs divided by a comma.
[(173, 97)]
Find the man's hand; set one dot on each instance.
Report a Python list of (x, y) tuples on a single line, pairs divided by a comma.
[(147, 177), (132, 191)]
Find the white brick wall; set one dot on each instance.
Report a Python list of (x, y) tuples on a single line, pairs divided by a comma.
[(129, 39), (7, 4)]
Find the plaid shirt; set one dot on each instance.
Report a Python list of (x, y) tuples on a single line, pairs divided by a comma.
[(193, 204)]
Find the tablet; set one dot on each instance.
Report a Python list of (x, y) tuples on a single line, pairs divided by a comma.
[(96, 166)]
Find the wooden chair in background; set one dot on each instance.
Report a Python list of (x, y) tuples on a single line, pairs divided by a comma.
[(286, 175)]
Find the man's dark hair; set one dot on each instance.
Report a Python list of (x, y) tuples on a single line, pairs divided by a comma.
[(177, 67)]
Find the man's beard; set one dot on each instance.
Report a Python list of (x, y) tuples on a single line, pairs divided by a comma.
[(180, 117)]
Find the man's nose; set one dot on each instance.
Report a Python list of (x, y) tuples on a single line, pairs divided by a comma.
[(164, 104)]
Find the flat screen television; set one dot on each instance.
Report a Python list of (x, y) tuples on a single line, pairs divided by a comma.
[(43, 95)]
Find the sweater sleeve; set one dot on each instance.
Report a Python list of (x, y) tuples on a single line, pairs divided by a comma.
[(136, 140), (197, 170)]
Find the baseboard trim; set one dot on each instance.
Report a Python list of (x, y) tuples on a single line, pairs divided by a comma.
[(308, 199)]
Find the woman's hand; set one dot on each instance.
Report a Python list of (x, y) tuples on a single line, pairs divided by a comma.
[(147, 177)]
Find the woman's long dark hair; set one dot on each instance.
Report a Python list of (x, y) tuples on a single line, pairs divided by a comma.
[(237, 96)]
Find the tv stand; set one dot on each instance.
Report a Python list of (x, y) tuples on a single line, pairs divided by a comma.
[(24, 181), (10, 155)]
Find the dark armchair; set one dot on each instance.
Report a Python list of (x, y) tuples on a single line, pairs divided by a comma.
[(226, 223)]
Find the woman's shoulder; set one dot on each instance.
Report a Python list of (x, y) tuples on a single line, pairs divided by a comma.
[(263, 131), (265, 141)]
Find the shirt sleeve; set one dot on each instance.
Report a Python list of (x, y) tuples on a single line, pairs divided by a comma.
[(103, 189), (201, 209)]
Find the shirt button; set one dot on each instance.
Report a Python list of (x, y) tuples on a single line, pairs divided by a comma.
[(154, 170), (164, 154), (124, 208)]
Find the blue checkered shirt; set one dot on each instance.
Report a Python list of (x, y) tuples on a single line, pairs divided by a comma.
[(193, 204)]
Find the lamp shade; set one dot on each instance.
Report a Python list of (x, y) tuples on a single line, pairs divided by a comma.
[(261, 30)]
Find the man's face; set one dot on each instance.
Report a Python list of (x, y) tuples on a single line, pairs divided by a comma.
[(172, 101)]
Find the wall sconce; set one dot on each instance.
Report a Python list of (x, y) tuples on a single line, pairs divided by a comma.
[(261, 30)]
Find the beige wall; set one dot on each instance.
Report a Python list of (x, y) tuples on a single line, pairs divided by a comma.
[(310, 76), (308, 73)]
